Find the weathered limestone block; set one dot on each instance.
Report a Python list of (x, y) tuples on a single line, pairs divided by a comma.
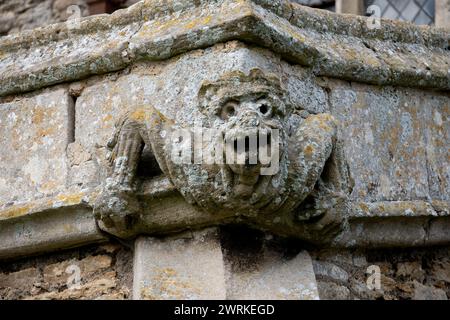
[(292, 111), (407, 273), (198, 265), (49, 230), (186, 267), (395, 141), (34, 133), (269, 276)]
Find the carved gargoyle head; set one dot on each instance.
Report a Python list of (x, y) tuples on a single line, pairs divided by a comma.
[(245, 153), (242, 138), (244, 150), (250, 112)]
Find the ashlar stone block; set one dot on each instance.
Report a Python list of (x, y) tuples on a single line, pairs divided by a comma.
[(187, 267), (273, 278), (34, 132)]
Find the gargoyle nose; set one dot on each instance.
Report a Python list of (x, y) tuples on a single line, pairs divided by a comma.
[(250, 119)]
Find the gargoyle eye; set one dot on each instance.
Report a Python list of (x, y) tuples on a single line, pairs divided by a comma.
[(228, 110), (264, 108)]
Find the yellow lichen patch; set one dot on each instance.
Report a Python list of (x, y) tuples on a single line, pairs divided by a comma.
[(107, 118), (139, 115), (70, 198), (288, 29), (374, 62), (169, 272), (38, 116), (323, 121), (15, 211), (50, 185), (166, 283), (157, 117), (146, 294), (46, 131), (324, 126), (198, 21), (158, 25), (107, 121)]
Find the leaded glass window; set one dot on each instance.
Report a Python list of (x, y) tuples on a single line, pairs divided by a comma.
[(416, 11)]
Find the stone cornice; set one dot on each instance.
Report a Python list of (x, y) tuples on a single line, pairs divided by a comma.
[(339, 46), (66, 220)]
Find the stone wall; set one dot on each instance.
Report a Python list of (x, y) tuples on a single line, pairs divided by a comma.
[(105, 273), (16, 16), (422, 274), (19, 15)]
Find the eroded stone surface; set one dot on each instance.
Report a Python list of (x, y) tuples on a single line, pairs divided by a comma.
[(379, 176), (407, 273), (271, 277), (104, 273), (189, 267), (394, 141), (34, 136)]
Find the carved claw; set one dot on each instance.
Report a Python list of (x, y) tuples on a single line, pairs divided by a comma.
[(112, 142), (322, 219), (117, 205), (126, 146), (126, 156), (332, 220)]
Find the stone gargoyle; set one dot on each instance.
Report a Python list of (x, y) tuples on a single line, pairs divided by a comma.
[(282, 148)]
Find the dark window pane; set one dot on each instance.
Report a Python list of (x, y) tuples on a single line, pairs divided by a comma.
[(416, 11)]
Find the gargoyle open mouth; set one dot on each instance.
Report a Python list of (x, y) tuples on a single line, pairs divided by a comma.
[(248, 152)]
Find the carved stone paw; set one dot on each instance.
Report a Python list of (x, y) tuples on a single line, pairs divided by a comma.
[(323, 219), (116, 212)]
